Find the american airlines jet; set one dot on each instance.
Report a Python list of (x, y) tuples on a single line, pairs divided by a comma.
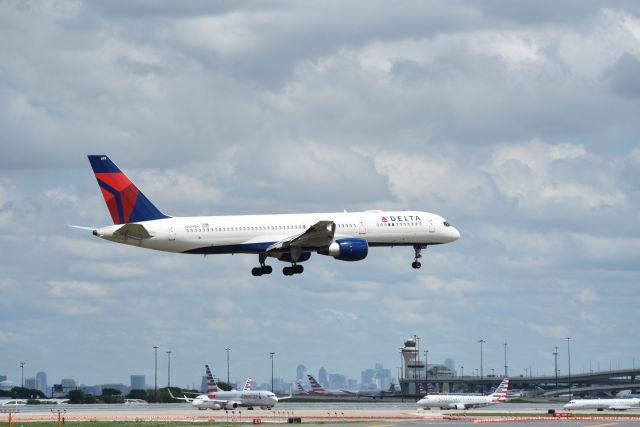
[(458, 401), (291, 238), (217, 399)]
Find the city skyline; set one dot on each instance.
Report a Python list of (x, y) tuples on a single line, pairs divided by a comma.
[(494, 371), (515, 121)]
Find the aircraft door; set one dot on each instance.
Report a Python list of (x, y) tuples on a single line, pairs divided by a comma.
[(432, 228), (362, 226), (172, 233)]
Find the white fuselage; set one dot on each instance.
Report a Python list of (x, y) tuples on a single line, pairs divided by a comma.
[(234, 399), (613, 404), (255, 233), (453, 401)]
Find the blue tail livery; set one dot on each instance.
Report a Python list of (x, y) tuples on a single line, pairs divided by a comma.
[(125, 202)]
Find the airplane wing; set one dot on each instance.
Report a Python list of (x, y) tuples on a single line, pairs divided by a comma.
[(621, 407), (285, 397), (133, 231), (318, 235), (185, 398)]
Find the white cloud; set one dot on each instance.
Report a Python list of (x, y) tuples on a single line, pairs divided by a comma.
[(550, 331), (67, 289)]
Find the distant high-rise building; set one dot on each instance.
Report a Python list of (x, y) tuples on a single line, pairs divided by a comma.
[(68, 384), (376, 378), (31, 383), (3, 377), (450, 363), (138, 382), (323, 378), (301, 371), (41, 378), (337, 381)]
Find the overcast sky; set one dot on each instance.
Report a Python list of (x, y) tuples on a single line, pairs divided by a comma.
[(516, 121)]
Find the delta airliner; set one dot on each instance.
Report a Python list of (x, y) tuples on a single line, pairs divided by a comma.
[(291, 238)]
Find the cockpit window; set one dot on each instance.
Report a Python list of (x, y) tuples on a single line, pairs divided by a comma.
[(446, 224)]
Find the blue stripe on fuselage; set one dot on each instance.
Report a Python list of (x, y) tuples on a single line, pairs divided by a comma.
[(245, 248)]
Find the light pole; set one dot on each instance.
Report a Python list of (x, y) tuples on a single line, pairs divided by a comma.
[(426, 371), (272, 354), (481, 368), (155, 374), (569, 360), (555, 356), (505, 360), (228, 350), (416, 353), (169, 368), (22, 374)]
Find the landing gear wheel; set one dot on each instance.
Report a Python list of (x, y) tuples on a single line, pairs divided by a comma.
[(418, 249), (287, 271), (256, 271), (297, 269), (266, 269)]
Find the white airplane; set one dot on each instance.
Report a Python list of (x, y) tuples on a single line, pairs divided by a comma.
[(291, 238), (217, 399), (458, 401), (601, 404)]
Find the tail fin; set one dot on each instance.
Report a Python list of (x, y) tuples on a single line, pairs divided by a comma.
[(212, 387), (501, 391), (315, 386), (125, 202), (248, 386), (301, 390)]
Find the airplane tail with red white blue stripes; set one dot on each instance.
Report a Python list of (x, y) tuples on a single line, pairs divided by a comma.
[(501, 392), (316, 388), (212, 386), (125, 201)]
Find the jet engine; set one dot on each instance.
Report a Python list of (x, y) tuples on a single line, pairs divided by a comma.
[(349, 249), (231, 405)]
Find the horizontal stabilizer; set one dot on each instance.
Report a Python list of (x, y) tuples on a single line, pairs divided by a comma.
[(81, 227), (133, 231)]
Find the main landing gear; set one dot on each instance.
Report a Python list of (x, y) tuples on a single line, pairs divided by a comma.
[(263, 269), (418, 249), (294, 269)]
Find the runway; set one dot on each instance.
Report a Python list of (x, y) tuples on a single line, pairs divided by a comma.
[(365, 413)]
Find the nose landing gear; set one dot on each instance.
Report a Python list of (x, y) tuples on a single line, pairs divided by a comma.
[(418, 249)]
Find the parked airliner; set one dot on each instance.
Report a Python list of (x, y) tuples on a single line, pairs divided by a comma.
[(291, 238), (217, 399), (601, 404), (459, 401)]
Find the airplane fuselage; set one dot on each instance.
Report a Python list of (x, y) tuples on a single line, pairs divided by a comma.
[(234, 399), (253, 234), (600, 404)]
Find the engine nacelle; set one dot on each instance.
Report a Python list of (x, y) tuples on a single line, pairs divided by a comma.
[(231, 405), (350, 249)]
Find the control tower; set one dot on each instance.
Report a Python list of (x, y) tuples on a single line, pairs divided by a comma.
[(413, 367)]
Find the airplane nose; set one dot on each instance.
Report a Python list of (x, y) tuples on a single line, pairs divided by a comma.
[(454, 234)]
